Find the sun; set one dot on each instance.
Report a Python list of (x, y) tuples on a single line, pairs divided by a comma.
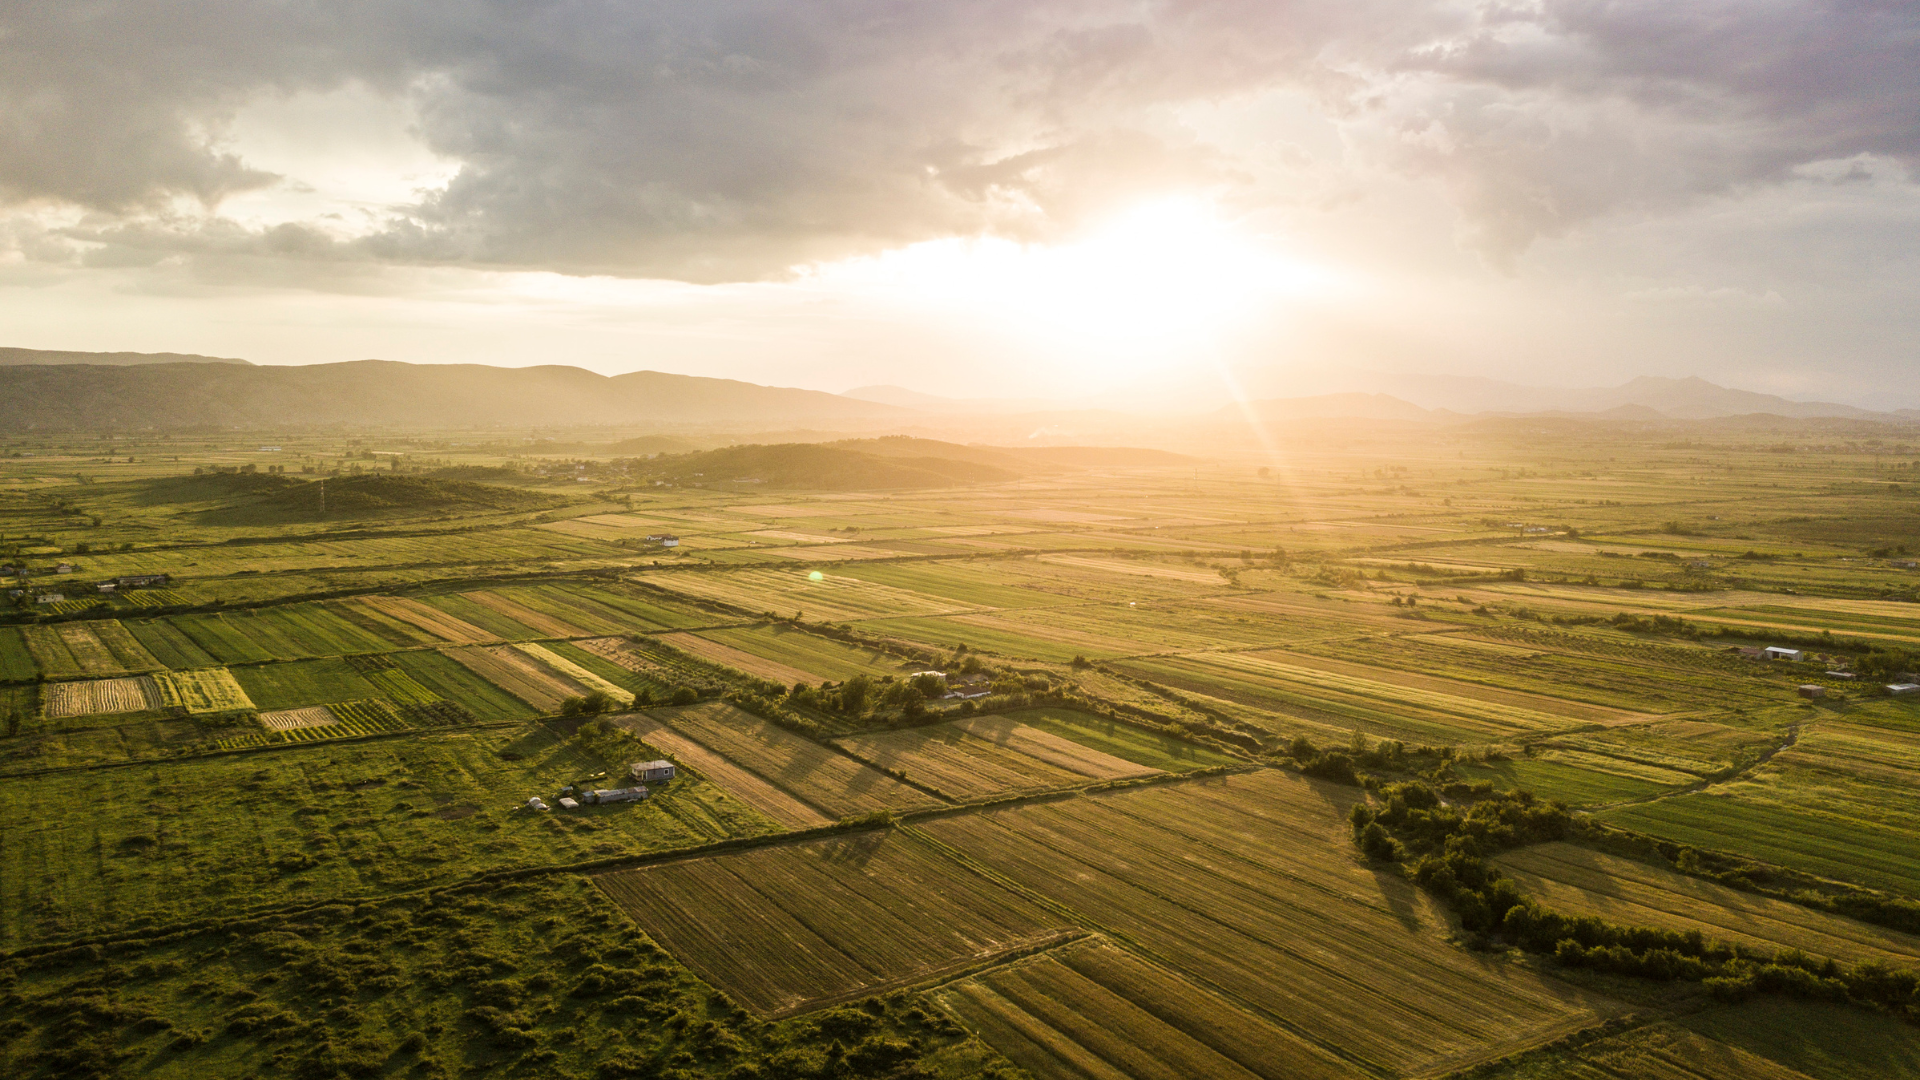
[(1155, 282)]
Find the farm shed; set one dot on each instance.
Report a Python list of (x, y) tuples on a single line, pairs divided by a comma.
[(536, 804), (603, 796), (1781, 652), (129, 581), (651, 772), (567, 803), (1812, 691), (63, 568), (1903, 689)]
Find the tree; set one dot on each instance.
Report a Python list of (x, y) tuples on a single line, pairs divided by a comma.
[(854, 694)]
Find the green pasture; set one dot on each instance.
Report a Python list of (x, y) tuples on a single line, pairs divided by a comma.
[(281, 825)]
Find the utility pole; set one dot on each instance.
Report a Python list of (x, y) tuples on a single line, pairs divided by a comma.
[(323, 496)]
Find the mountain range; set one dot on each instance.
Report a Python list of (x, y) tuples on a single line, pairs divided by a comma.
[(379, 393), (23, 357), (133, 391)]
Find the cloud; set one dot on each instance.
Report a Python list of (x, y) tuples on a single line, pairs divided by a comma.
[(736, 139)]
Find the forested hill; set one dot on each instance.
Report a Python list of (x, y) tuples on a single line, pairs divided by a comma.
[(379, 393)]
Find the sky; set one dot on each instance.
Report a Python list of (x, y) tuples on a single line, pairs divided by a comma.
[(978, 198)]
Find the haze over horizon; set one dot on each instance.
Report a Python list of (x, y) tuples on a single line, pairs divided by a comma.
[(979, 200)]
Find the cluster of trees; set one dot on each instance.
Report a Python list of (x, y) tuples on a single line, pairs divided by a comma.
[(599, 701), (1449, 848)]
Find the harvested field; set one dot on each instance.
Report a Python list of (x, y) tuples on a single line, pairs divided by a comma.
[(519, 675), (621, 652), (1090, 1011), (432, 620), (746, 786), (757, 666), (546, 624), (95, 696), (93, 657), (788, 928), (1577, 881), (577, 673), (982, 756), (832, 782), (312, 716), (213, 690), (1248, 884)]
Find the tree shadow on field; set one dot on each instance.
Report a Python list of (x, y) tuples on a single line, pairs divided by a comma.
[(855, 851)]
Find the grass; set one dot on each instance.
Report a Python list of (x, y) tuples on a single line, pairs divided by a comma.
[(1167, 753), (986, 756), (302, 682), (291, 824), (1571, 784), (16, 663), (169, 644)]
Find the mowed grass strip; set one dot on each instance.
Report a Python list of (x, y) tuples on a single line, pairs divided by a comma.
[(1248, 884), (576, 672), (786, 928), (90, 697), (758, 666), (547, 625), (1153, 749), (170, 645), (16, 662), (823, 778), (432, 620), (452, 681), (1087, 1011), (982, 756), (519, 675), (50, 653), (1578, 881), (742, 784), (815, 656)]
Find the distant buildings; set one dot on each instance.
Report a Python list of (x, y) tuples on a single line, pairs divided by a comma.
[(1781, 652), (536, 804), (1812, 691), (1903, 689), (131, 581)]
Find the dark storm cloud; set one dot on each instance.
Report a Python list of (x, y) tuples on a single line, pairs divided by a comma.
[(735, 138)]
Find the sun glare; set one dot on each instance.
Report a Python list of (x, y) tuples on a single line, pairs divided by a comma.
[(1166, 275)]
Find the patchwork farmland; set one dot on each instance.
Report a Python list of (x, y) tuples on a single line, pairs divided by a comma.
[(1120, 833)]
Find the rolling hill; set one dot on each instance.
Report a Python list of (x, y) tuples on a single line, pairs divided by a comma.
[(379, 393), (41, 357)]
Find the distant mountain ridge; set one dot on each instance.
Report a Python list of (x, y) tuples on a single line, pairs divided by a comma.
[(381, 393), (24, 357)]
